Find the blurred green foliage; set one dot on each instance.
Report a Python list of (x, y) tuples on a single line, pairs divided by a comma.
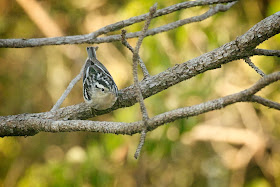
[(32, 79)]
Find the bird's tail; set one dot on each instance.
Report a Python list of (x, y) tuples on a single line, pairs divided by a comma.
[(92, 52)]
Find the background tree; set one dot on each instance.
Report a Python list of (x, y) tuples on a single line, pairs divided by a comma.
[(233, 146)]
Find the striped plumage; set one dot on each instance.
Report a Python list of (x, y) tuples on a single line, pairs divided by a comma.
[(99, 87)]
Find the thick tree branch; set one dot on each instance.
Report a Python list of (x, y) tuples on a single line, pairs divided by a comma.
[(242, 47), (91, 38), (25, 125), (238, 49)]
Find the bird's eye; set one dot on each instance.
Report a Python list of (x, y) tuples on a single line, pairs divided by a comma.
[(102, 90), (96, 86)]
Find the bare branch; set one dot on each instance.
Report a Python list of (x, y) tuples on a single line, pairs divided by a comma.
[(124, 41), (266, 52), (265, 102), (212, 11), (252, 65), (68, 90), (243, 96), (26, 125), (153, 10), (140, 99), (142, 64), (141, 143), (234, 50), (90, 38), (237, 49)]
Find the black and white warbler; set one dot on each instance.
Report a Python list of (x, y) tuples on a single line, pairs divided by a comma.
[(99, 87)]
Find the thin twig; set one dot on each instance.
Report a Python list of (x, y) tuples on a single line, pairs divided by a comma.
[(141, 143), (252, 65), (136, 83), (124, 41), (153, 9), (68, 90), (265, 102), (266, 52), (142, 64)]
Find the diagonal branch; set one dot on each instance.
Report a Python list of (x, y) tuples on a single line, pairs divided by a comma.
[(170, 26), (234, 50), (68, 90), (252, 65), (25, 125), (142, 64), (91, 38), (139, 97), (212, 11), (266, 52), (237, 49), (265, 102)]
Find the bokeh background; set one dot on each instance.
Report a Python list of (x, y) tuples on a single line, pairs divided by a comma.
[(236, 146)]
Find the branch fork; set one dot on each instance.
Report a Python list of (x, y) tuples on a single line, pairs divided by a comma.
[(68, 119)]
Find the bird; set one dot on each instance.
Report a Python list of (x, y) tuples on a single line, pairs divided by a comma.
[(99, 88)]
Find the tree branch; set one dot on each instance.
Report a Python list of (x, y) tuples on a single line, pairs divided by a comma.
[(252, 65), (212, 11), (142, 64), (242, 47), (266, 52), (68, 90), (237, 49), (140, 99), (91, 38), (25, 125), (265, 102)]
